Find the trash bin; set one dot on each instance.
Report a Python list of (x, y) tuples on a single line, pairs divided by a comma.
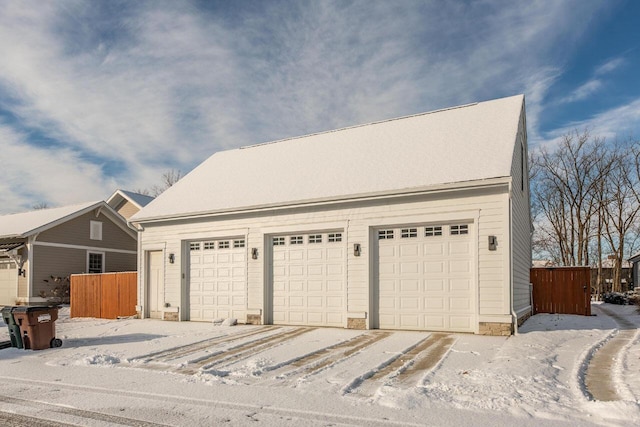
[(37, 326), (14, 329)]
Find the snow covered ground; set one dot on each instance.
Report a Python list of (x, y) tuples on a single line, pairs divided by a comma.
[(149, 373)]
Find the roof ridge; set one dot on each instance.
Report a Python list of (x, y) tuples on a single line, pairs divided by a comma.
[(359, 126)]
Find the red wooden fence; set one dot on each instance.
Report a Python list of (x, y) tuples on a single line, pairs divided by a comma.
[(563, 290), (106, 296)]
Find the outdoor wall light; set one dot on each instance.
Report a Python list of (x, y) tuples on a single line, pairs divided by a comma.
[(22, 272), (356, 249), (172, 258), (254, 253), (493, 243)]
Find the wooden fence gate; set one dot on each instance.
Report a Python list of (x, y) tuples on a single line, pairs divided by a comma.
[(563, 290), (106, 296)]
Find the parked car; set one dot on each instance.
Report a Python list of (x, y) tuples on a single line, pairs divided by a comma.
[(616, 298)]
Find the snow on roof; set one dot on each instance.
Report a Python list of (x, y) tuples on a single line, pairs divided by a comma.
[(140, 200), (22, 224), (466, 143)]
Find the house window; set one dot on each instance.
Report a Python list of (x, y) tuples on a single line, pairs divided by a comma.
[(238, 243), (194, 246), (459, 229), (335, 237), (385, 234), (278, 241), (296, 240), (95, 230), (208, 246), (436, 230), (408, 233), (315, 238), (223, 245), (95, 262)]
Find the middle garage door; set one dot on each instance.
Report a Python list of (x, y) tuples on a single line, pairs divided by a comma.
[(218, 279), (308, 281)]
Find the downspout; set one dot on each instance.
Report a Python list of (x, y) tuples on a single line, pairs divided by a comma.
[(514, 316)]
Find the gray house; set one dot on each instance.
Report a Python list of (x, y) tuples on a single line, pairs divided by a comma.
[(416, 223), (85, 238)]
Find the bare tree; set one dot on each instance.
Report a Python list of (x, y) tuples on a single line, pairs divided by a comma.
[(563, 190), (621, 204), (41, 205), (169, 178)]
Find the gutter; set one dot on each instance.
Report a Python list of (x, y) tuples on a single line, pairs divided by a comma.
[(437, 189), (514, 315)]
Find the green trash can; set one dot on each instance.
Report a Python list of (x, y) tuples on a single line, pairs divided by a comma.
[(14, 328)]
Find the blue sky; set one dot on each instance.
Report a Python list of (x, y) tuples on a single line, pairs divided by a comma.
[(98, 95)]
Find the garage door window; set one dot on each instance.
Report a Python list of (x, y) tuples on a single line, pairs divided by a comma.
[(223, 245), (278, 241), (209, 246), (459, 229), (334, 237), (385, 234), (433, 231), (315, 238), (296, 240), (238, 243), (407, 233), (194, 246)]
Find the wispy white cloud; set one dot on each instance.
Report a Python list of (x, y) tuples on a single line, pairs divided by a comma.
[(609, 66), (149, 86), (583, 92), (620, 122)]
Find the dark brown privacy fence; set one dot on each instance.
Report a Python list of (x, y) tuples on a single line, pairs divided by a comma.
[(564, 290), (107, 296)]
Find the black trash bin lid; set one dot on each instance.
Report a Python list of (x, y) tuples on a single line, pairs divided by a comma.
[(32, 308)]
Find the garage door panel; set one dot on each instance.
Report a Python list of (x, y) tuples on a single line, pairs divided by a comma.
[(315, 254), (433, 249), (425, 279), (461, 285), (434, 304), (459, 248), (217, 280), (335, 254), (409, 268), (387, 268), (459, 266), (431, 267), (409, 250), (434, 285), (334, 269), (409, 321), (312, 271), (434, 322), (334, 286)]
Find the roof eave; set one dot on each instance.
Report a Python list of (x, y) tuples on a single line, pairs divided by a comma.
[(449, 187)]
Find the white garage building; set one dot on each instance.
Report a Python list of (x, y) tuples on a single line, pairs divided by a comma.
[(418, 223)]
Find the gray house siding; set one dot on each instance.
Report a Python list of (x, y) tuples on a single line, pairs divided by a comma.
[(521, 224), (77, 232)]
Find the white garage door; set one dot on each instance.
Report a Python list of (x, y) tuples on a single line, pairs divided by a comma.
[(425, 278), (218, 279), (308, 279), (8, 283)]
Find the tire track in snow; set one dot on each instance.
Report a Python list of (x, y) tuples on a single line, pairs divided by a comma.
[(403, 367), (241, 351), (171, 354), (600, 377), (65, 410), (326, 357)]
